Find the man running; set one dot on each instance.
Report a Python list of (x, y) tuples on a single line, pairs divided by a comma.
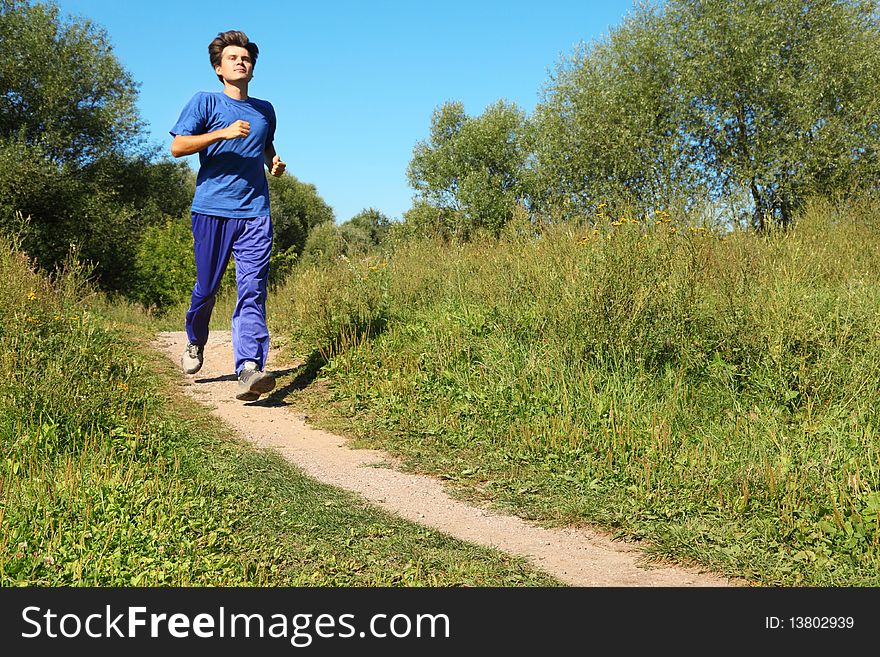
[(233, 134)]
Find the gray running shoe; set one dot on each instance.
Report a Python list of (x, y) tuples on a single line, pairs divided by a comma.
[(192, 358), (253, 382)]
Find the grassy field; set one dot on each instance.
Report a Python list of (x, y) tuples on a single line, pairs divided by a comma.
[(714, 393), (106, 479)]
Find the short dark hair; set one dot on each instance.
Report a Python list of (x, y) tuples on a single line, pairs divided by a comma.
[(231, 38)]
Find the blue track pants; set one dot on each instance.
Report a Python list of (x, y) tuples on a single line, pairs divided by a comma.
[(250, 242)]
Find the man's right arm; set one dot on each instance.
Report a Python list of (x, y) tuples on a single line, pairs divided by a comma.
[(183, 145)]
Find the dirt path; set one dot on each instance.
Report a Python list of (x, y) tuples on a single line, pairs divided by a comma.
[(578, 557)]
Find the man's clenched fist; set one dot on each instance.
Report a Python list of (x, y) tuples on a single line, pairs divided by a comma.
[(278, 166), (238, 129)]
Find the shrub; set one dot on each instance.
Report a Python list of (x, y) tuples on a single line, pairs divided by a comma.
[(164, 264)]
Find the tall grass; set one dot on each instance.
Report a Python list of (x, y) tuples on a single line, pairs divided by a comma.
[(717, 394), (104, 483)]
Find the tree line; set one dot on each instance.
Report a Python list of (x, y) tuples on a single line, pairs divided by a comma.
[(733, 111)]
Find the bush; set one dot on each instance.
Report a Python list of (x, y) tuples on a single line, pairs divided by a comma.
[(164, 264), (324, 243)]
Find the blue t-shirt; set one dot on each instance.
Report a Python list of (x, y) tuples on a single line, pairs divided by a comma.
[(232, 176)]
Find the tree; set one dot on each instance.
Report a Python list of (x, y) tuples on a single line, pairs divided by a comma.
[(755, 104), (324, 244), (608, 126), (473, 169), (62, 88), (781, 97), (371, 223), (164, 265), (296, 209), (76, 164)]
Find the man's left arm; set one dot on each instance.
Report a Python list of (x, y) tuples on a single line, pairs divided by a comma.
[(273, 161)]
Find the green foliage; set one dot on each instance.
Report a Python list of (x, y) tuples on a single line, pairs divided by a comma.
[(62, 88), (338, 303), (780, 96), (73, 161), (364, 232), (472, 169), (755, 105), (361, 234), (370, 223), (324, 243), (165, 269), (35, 188), (122, 198), (296, 209), (424, 220), (354, 238), (100, 210), (608, 131), (714, 393), (152, 188), (164, 264), (281, 264)]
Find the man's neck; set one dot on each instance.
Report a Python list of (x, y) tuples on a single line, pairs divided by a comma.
[(237, 91)]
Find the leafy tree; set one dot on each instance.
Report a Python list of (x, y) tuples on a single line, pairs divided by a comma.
[(61, 86), (360, 234), (355, 239), (75, 161), (123, 197), (608, 128), (372, 223), (164, 263), (296, 209), (780, 96), (755, 104), (424, 219), (473, 169), (34, 187), (102, 209)]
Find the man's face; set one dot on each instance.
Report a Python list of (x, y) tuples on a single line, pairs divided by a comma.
[(235, 64)]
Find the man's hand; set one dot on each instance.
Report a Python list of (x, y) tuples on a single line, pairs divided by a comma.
[(188, 144), (278, 166), (238, 129)]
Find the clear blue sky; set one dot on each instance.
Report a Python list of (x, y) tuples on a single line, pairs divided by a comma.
[(354, 84)]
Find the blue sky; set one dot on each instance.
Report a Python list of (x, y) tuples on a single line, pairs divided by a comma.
[(353, 84)]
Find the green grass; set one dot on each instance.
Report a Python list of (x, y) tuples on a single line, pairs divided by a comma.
[(715, 394), (107, 478)]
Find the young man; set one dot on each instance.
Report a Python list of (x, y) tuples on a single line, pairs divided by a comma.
[(233, 133)]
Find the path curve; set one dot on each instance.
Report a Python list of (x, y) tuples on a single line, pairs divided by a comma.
[(576, 556)]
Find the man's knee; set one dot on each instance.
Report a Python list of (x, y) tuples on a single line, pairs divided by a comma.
[(204, 297), (252, 287)]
